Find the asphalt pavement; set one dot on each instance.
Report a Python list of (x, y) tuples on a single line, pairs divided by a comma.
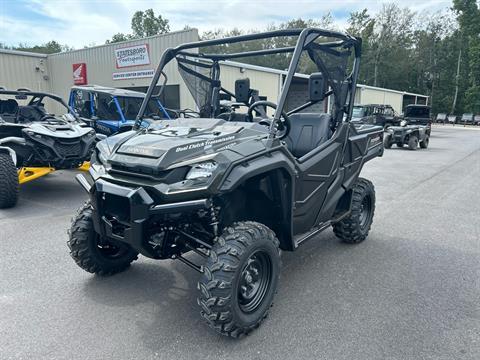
[(410, 291)]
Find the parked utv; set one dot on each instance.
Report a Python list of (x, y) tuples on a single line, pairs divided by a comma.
[(410, 135), (418, 115), (452, 119), (34, 142), (233, 188), (441, 118), (476, 120), (110, 110), (382, 115), (467, 119)]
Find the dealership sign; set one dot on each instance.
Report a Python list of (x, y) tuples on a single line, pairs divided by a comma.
[(138, 74), (80, 74), (136, 55)]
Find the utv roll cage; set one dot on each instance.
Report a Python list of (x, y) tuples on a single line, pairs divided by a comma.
[(37, 98), (330, 57)]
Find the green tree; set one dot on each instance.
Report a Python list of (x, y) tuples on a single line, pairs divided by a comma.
[(468, 16), (145, 23), (119, 37), (362, 25), (50, 47)]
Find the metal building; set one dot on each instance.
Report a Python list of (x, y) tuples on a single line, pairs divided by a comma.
[(131, 64), (397, 99), (21, 69)]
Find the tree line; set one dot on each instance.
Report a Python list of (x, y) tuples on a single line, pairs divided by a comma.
[(433, 54)]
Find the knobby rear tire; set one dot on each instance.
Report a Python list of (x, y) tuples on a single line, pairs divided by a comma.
[(355, 227)]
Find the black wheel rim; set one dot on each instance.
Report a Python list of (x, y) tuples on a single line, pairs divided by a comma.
[(365, 212), (255, 280), (109, 250)]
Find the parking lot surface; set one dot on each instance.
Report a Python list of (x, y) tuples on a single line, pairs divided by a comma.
[(410, 291)]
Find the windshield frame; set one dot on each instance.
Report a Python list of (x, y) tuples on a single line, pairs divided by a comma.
[(153, 100)]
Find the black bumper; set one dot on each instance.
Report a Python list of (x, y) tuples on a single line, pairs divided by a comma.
[(59, 153), (122, 213)]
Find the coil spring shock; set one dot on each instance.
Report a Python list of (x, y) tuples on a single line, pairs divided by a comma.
[(214, 220)]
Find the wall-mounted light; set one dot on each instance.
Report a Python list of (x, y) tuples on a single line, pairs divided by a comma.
[(242, 70)]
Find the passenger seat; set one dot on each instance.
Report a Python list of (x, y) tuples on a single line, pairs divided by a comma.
[(308, 131)]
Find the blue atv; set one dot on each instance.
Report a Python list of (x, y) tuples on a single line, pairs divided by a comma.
[(110, 110)]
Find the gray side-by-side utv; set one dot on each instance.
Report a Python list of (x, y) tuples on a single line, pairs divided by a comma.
[(34, 141), (222, 190)]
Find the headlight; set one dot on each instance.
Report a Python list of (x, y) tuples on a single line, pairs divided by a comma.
[(202, 170), (102, 158), (403, 123), (103, 151)]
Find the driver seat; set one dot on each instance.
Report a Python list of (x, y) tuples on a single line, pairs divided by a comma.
[(308, 131), (29, 113)]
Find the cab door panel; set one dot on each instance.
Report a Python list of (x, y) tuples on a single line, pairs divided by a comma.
[(317, 171)]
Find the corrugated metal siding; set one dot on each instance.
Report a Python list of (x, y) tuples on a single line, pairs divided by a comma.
[(374, 96), (55, 73), (266, 83), (18, 71), (101, 64)]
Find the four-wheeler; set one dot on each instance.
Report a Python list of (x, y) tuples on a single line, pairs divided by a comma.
[(234, 190), (111, 110), (410, 135), (441, 118), (35, 142), (383, 115), (476, 120), (467, 119)]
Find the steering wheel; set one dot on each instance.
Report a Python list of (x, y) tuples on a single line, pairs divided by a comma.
[(283, 127)]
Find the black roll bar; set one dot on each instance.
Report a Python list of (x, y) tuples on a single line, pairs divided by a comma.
[(305, 37)]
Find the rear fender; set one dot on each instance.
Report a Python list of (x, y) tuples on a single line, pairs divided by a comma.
[(363, 145)]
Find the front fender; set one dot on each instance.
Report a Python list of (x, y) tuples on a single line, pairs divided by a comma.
[(280, 169), (7, 150), (246, 169)]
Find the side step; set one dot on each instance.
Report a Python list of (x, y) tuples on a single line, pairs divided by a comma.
[(308, 235)]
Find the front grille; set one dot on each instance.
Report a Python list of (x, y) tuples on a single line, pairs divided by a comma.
[(164, 176), (72, 149), (139, 170)]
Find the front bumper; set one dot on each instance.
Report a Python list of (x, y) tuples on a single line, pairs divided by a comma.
[(61, 153), (123, 213)]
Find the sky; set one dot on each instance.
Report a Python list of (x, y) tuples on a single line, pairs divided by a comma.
[(80, 23)]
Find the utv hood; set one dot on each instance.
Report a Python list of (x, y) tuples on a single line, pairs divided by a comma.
[(172, 141), (59, 130)]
